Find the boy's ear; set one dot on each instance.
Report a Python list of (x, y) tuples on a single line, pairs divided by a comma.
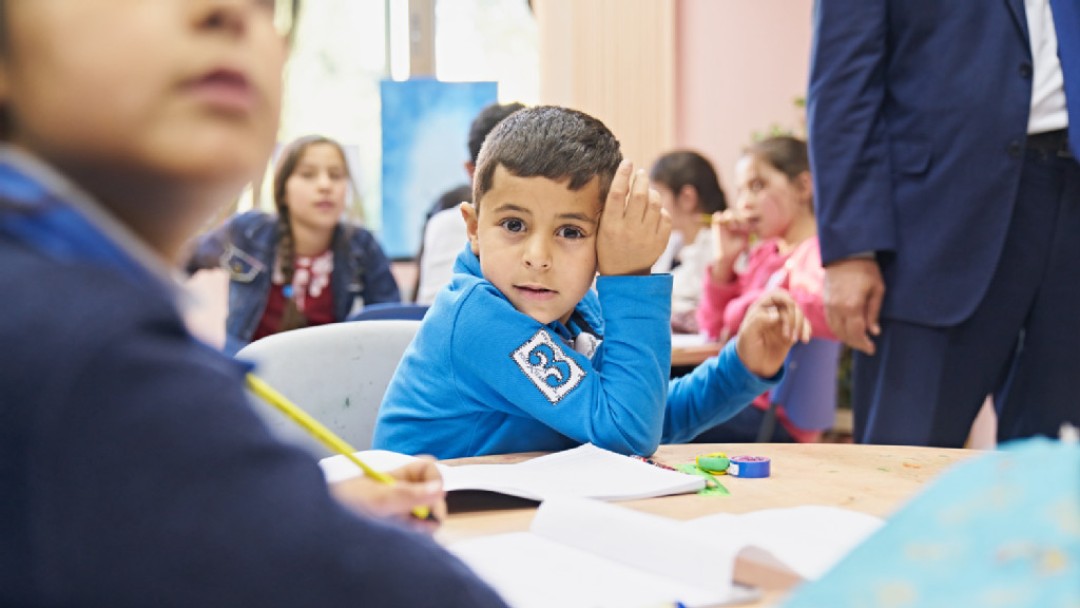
[(469, 213)]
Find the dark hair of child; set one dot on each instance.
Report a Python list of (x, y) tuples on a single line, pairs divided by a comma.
[(682, 168), (787, 154), (552, 142), (484, 122)]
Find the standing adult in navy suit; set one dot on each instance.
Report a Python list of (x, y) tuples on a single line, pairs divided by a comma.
[(949, 210)]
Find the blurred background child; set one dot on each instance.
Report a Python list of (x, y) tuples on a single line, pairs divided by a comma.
[(443, 234), (304, 266), (774, 205), (690, 191)]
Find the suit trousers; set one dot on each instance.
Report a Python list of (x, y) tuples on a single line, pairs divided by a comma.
[(925, 384)]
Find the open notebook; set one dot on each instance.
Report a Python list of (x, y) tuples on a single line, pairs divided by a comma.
[(585, 471), (581, 552)]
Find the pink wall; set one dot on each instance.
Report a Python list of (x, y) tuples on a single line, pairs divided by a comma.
[(741, 63)]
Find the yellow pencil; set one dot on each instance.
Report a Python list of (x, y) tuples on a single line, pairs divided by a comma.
[(705, 218), (267, 393)]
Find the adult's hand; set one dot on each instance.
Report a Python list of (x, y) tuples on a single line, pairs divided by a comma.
[(854, 290)]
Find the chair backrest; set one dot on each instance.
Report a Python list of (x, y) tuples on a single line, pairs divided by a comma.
[(338, 373), (390, 310), (808, 391)]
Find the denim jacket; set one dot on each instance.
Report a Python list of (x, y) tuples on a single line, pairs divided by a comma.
[(246, 247)]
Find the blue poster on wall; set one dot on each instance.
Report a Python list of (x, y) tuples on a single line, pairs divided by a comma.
[(425, 129)]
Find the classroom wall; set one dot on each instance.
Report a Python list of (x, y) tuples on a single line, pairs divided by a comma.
[(613, 59), (703, 74), (739, 65)]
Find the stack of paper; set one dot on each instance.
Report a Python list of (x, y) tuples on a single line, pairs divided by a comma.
[(582, 552)]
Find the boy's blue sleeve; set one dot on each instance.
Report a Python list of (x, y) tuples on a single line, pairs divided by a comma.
[(507, 361), (715, 391)]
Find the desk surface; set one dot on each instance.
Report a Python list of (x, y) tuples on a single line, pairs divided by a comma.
[(868, 478), (691, 355)]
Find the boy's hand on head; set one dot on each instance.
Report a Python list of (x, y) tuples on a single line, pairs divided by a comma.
[(419, 484), (771, 326), (634, 227)]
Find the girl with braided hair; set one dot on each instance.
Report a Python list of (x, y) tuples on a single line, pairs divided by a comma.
[(305, 265)]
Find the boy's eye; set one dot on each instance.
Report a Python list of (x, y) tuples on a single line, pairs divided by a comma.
[(513, 224), (757, 185), (571, 232)]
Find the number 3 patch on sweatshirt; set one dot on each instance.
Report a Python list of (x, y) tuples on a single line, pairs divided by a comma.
[(544, 362)]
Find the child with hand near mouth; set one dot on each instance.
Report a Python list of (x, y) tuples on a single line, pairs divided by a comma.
[(774, 204)]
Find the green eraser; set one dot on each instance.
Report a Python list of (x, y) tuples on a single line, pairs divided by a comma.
[(716, 462)]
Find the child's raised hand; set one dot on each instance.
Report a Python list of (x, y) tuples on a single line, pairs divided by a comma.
[(731, 234), (634, 227), (771, 326), (731, 237), (419, 485)]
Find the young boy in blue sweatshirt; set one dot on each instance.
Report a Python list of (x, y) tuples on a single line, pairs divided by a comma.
[(520, 354), (133, 472)]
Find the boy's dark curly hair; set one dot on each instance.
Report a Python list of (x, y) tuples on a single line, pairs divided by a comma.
[(549, 141)]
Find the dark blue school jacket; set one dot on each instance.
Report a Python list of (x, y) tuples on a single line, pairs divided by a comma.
[(134, 473)]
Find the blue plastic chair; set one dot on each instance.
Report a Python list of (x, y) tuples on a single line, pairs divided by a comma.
[(390, 310), (808, 391)]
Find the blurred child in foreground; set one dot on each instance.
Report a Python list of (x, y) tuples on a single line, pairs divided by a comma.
[(135, 472)]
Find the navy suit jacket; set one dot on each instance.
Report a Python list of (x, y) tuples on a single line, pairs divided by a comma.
[(918, 115)]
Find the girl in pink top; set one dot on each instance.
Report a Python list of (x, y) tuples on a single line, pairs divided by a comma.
[(774, 205)]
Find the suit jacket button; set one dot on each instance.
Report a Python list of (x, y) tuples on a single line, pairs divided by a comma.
[(1015, 149), (1025, 70)]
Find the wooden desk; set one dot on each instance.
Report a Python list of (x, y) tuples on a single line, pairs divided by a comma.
[(872, 479), (691, 356)]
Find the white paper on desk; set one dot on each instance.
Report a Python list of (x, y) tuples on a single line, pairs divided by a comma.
[(586, 553), (585, 471), (581, 552), (806, 540)]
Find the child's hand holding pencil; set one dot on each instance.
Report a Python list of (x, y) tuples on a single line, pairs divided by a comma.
[(419, 484), (419, 495)]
